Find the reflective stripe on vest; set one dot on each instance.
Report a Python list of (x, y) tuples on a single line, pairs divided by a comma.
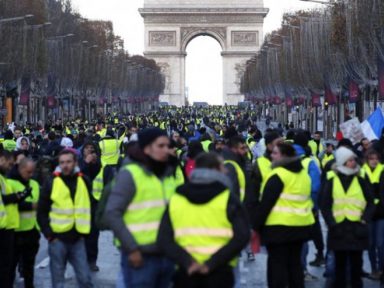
[(348, 205), (28, 219), (66, 213), (98, 184), (11, 210), (207, 231), (240, 177), (294, 206), (110, 151), (265, 168), (144, 213)]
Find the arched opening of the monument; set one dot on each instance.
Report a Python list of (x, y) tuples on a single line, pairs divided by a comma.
[(204, 71)]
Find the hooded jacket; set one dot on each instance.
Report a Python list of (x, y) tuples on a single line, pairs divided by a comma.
[(204, 185)]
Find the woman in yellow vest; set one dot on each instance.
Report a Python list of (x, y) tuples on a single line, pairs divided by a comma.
[(205, 227), (135, 207), (374, 174), (284, 217), (346, 203)]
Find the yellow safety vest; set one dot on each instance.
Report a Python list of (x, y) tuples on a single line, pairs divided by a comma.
[(207, 231), (110, 151), (265, 168), (12, 211), (9, 145), (313, 145), (240, 177), (98, 184), (144, 213), (27, 218), (102, 132), (206, 144), (348, 205), (294, 206), (373, 176), (67, 213), (3, 212), (326, 159)]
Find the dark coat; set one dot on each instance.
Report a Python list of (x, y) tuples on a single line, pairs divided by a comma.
[(346, 235), (279, 234)]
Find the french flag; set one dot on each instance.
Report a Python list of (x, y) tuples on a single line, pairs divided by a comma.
[(373, 126)]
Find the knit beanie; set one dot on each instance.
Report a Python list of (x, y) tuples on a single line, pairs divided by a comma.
[(342, 155), (149, 135)]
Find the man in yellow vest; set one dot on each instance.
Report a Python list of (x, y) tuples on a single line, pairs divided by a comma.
[(285, 218), (110, 149), (64, 216), (27, 234), (9, 219), (315, 144), (205, 245), (134, 209)]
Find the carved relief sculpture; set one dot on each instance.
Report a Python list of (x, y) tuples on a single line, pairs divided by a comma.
[(162, 38), (245, 38)]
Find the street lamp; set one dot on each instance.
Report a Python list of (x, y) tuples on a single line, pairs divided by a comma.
[(25, 17), (331, 2), (60, 37)]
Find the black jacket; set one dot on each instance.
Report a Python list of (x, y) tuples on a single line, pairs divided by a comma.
[(278, 234), (45, 204), (346, 235), (378, 192), (200, 193)]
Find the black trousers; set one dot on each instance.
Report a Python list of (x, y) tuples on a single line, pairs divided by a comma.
[(26, 248), (92, 240), (7, 240), (284, 265), (317, 236), (353, 260), (222, 277)]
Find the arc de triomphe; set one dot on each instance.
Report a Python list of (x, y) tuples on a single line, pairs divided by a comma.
[(171, 24)]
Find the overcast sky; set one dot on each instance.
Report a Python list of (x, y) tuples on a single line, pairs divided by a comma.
[(202, 50)]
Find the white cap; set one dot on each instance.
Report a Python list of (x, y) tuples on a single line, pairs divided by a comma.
[(66, 142)]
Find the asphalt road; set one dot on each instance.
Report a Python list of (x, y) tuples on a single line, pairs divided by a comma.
[(253, 274)]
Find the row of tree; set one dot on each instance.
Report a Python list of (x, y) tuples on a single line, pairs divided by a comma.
[(335, 52), (49, 49)]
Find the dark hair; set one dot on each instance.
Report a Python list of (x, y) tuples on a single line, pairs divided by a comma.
[(371, 152), (51, 135), (209, 160), (6, 154), (235, 141), (194, 149), (68, 152), (345, 142), (286, 149), (271, 136)]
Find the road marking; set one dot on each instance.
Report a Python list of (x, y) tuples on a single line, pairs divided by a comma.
[(43, 264)]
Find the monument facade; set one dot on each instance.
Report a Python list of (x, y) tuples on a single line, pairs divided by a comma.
[(171, 24)]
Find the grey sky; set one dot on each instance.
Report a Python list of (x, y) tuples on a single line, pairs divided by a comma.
[(128, 24)]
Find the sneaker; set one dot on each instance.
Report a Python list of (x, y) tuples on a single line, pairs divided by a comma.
[(94, 267), (251, 257), (309, 277), (318, 262)]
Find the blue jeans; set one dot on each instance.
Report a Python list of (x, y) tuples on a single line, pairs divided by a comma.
[(60, 253), (376, 245), (156, 272)]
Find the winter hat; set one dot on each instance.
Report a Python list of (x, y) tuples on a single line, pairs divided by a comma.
[(342, 155), (66, 142), (149, 135)]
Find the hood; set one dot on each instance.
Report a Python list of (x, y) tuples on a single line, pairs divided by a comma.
[(299, 150), (204, 185), (18, 142), (292, 164), (95, 146)]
